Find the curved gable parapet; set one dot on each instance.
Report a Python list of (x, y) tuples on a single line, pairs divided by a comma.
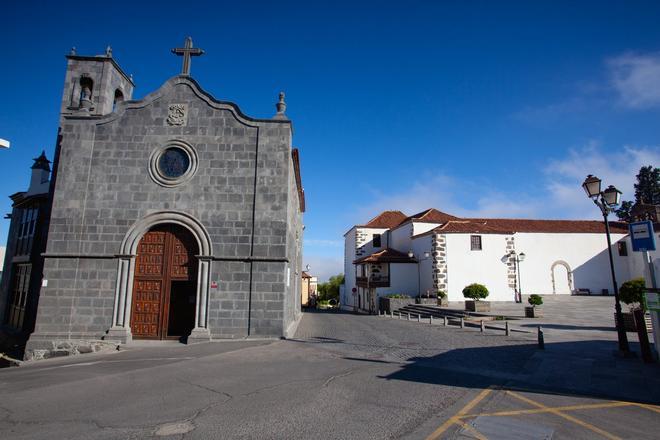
[(166, 88)]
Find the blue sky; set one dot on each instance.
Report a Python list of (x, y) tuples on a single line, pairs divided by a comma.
[(475, 108)]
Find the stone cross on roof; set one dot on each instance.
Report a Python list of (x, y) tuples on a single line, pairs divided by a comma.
[(187, 51)]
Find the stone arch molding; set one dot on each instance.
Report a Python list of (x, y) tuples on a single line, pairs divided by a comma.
[(568, 271), (130, 243), (121, 326)]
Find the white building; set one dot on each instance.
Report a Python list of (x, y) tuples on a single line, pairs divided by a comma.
[(448, 253)]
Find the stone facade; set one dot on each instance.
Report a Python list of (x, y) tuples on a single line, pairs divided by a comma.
[(439, 255), (242, 201), (511, 273)]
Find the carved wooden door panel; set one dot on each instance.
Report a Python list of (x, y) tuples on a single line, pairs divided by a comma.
[(148, 286), (165, 269)]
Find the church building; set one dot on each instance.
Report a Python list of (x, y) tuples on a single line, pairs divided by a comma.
[(171, 217)]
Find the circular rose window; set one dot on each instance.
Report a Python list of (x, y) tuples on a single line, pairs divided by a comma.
[(173, 164)]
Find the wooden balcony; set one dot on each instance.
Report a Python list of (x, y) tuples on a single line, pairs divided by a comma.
[(373, 281)]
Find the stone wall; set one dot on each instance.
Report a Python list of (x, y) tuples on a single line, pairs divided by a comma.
[(439, 255)]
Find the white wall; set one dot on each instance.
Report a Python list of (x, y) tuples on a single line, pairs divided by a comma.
[(400, 237), (465, 266), (403, 279), (421, 227), (419, 246), (586, 255), (351, 243)]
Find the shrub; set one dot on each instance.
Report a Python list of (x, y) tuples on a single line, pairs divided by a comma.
[(475, 291), (632, 292), (397, 296), (442, 294), (535, 300)]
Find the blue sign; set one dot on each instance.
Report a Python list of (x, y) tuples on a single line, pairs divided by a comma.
[(642, 236)]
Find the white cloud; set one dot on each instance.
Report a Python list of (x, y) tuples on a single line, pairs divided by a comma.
[(449, 195), (620, 169), (323, 267), (561, 179), (636, 78)]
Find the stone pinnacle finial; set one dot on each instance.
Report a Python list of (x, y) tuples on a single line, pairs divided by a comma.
[(108, 51), (281, 105), (73, 51)]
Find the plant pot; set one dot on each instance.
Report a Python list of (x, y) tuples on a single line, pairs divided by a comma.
[(477, 306), (443, 302), (533, 312), (425, 300)]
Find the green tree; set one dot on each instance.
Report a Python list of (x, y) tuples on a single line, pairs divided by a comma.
[(624, 212), (330, 290), (647, 190)]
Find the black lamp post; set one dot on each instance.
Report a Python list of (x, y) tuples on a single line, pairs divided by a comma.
[(606, 201)]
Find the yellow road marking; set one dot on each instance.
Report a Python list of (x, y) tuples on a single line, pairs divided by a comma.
[(456, 418), (474, 432), (565, 416), (647, 406), (550, 409)]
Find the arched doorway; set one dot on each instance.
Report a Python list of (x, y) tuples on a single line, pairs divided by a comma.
[(562, 278), (164, 283)]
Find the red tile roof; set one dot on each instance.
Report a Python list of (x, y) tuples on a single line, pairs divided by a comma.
[(387, 255), (431, 215), (510, 226), (386, 219)]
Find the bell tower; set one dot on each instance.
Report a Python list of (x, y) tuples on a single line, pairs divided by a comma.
[(94, 84)]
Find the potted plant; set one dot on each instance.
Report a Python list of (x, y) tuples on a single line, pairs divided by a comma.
[(475, 293), (534, 310), (632, 294), (443, 301)]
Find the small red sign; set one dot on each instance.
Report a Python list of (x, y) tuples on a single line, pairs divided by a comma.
[(214, 284)]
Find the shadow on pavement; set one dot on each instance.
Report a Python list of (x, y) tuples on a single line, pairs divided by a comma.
[(584, 368)]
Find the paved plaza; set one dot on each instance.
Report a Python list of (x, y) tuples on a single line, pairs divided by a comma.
[(346, 376)]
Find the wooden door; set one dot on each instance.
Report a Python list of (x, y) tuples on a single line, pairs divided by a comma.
[(165, 255)]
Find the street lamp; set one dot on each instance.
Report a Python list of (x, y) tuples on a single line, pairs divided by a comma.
[(518, 258), (427, 255), (606, 201)]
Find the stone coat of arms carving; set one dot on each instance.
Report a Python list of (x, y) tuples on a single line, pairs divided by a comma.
[(176, 114)]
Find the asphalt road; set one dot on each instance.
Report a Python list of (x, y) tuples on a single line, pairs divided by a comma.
[(344, 376)]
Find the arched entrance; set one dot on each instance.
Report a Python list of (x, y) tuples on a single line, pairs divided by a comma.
[(164, 283), (562, 278)]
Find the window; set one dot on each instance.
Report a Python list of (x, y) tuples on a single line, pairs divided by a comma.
[(19, 292), (119, 97), (376, 240), (623, 248), (475, 242), (26, 230)]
